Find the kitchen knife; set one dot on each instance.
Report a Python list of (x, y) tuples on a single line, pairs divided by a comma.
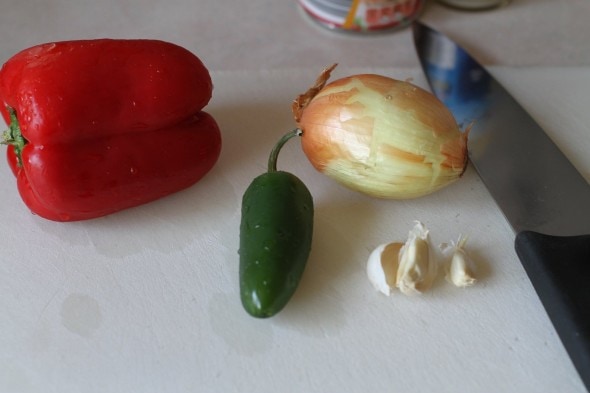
[(542, 195)]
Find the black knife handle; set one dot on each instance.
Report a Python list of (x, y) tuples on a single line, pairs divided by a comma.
[(559, 269)]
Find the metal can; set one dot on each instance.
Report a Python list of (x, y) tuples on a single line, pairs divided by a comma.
[(363, 16)]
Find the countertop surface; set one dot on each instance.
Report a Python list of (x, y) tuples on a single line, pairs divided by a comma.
[(147, 300), (257, 34)]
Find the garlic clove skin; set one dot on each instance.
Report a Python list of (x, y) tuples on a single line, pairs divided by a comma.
[(376, 273), (382, 267), (417, 264), (460, 269)]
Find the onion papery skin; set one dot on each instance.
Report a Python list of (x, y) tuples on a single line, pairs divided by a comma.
[(383, 137)]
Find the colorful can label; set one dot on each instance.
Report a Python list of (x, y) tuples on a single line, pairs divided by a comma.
[(363, 15)]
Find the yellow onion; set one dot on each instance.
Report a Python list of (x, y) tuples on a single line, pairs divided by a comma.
[(380, 136)]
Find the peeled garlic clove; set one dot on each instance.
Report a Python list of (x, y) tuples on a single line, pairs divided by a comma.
[(461, 272), (460, 267), (380, 136), (417, 264), (382, 267)]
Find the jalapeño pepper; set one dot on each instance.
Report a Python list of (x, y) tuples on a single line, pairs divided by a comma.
[(275, 238)]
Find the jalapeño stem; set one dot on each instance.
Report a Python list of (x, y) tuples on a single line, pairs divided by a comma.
[(274, 154)]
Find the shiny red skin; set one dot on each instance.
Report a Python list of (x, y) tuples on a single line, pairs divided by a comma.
[(109, 124)]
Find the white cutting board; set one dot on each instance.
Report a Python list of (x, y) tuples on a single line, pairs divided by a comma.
[(147, 300)]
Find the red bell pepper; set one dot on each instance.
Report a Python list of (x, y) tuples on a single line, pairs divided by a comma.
[(98, 126)]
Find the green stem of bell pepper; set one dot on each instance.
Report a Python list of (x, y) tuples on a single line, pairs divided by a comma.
[(13, 136)]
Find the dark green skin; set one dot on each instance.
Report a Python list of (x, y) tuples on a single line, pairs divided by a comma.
[(275, 241)]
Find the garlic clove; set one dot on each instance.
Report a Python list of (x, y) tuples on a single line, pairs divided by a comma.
[(417, 264), (382, 267), (460, 268), (461, 272)]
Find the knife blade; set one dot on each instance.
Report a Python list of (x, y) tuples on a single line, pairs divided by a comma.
[(539, 191)]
